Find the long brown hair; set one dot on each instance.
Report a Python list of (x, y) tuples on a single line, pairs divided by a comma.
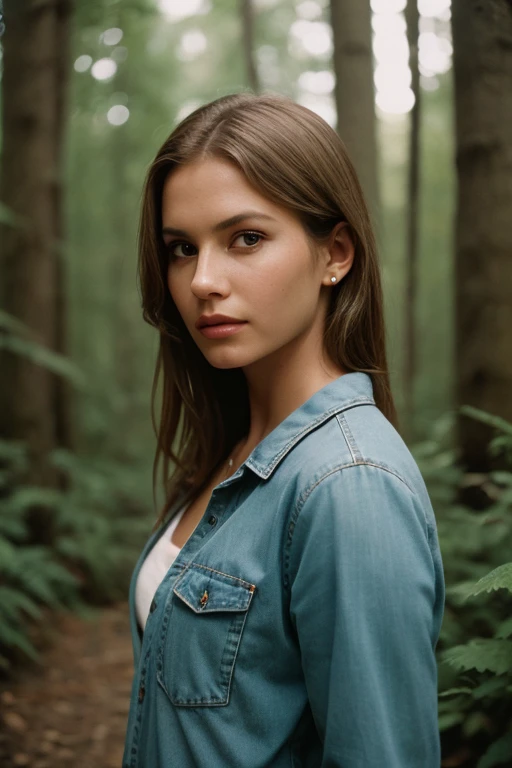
[(295, 159)]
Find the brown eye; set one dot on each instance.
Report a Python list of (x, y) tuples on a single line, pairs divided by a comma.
[(181, 250), (249, 239)]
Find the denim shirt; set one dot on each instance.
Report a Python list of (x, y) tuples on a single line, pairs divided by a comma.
[(297, 627)]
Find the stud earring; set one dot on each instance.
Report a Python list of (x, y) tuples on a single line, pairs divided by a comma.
[(333, 279)]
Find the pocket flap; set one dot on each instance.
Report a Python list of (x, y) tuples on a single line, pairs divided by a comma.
[(205, 590)]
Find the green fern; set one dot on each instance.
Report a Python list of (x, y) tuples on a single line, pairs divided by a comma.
[(481, 654)]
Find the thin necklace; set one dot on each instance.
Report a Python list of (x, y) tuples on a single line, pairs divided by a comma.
[(230, 465), (229, 462)]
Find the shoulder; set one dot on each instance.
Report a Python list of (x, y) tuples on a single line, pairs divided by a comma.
[(359, 437), (357, 481)]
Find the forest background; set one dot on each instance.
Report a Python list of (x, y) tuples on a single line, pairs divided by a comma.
[(421, 93)]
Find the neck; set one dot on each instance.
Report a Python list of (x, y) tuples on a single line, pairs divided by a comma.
[(281, 383)]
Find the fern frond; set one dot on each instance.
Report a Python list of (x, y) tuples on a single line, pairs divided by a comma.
[(481, 654), (499, 578)]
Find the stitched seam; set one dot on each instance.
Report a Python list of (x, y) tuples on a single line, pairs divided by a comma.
[(307, 493), (309, 428), (378, 465), (326, 415), (349, 438), (223, 607), (229, 576), (228, 693), (215, 700)]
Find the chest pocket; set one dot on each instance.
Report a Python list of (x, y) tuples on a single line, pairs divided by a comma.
[(200, 636)]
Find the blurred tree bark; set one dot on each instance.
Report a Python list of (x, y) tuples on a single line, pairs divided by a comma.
[(354, 92), (32, 401), (482, 37), (123, 300), (411, 251), (247, 14)]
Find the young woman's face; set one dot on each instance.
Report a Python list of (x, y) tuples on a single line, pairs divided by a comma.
[(232, 252)]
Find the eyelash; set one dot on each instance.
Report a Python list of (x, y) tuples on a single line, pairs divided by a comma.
[(174, 243)]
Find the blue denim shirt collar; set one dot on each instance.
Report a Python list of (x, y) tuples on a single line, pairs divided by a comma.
[(345, 392)]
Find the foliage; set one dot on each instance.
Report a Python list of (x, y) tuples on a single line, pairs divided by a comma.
[(30, 576), (99, 529), (101, 521), (475, 646), (16, 337)]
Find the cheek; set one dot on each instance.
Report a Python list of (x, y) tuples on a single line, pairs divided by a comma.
[(176, 286)]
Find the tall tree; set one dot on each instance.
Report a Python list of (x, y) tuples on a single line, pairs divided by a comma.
[(355, 103), (411, 289), (482, 38), (33, 96), (247, 15)]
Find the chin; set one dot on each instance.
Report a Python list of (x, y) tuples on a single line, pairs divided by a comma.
[(225, 359)]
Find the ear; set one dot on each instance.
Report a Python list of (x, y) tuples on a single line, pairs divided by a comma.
[(339, 254)]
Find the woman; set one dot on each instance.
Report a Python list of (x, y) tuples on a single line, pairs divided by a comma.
[(286, 609)]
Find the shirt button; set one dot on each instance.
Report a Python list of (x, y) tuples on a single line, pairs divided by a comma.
[(142, 691), (152, 606), (212, 520)]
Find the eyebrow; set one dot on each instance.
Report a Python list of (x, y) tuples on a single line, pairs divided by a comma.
[(222, 225)]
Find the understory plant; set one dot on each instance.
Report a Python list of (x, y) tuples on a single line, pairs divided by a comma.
[(99, 523), (475, 645)]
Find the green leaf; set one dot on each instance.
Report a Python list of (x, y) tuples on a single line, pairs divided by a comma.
[(500, 578), (504, 629), (487, 418), (13, 600), (474, 723), (487, 688), (501, 477), (450, 719), (453, 691), (44, 357), (481, 654), (7, 554), (14, 638), (27, 496)]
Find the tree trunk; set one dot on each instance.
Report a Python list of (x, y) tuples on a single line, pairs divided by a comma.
[(247, 14), (482, 37), (65, 421), (31, 177), (354, 92), (411, 269)]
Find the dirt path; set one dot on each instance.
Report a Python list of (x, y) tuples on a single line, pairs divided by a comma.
[(72, 711)]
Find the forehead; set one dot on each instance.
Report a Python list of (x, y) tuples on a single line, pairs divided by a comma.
[(211, 190)]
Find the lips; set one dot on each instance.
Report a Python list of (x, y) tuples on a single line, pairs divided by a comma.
[(209, 320)]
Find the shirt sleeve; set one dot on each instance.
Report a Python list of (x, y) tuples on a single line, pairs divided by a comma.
[(366, 596)]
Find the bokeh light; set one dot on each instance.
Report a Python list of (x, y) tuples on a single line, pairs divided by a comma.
[(112, 36), (104, 69), (309, 10), (186, 109), (392, 74), (192, 44), (388, 6), (310, 38), (118, 114), (322, 105), (83, 63), (175, 10), (317, 82), (434, 7)]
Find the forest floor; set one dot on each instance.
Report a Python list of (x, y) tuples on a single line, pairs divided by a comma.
[(71, 711)]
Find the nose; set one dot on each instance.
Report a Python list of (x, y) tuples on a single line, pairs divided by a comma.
[(210, 277)]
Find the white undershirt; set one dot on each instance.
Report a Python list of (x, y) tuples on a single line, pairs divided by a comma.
[(154, 568)]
